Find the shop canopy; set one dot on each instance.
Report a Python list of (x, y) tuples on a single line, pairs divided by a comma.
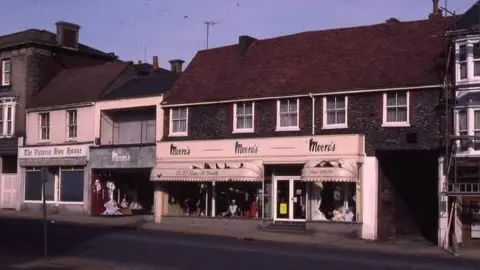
[(340, 170), (221, 171)]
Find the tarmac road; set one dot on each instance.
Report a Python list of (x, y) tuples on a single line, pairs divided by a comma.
[(87, 247)]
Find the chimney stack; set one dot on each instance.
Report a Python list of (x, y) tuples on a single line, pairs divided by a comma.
[(435, 8), (244, 43), (139, 62), (176, 65), (155, 62), (67, 34)]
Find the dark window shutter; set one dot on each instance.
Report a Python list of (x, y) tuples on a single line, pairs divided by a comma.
[(69, 38)]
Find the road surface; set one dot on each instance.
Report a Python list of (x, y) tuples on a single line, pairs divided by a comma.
[(82, 247)]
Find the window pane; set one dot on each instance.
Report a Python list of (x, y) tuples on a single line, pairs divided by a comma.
[(476, 68), (340, 103), (341, 117), (183, 125), (283, 106), (476, 144), (462, 54), (240, 109), (402, 114), (476, 51), (391, 115), (476, 119), (284, 121), (33, 186), (248, 122), (9, 113), (331, 118), (330, 103), (293, 120), (463, 143), (292, 106), (391, 99), (50, 186), (238, 199), (183, 113), (7, 66), (463, 70), (71, 186), (401, 98), (462, 120), (249, 109)]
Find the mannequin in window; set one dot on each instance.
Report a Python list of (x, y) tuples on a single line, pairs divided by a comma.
[(233, 209)]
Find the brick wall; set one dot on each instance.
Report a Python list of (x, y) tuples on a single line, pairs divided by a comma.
[(364, 116)]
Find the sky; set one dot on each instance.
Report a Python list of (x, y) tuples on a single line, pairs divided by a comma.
[(170, 29)]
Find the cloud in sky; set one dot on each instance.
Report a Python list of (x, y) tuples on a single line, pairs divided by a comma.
[(127, 26)]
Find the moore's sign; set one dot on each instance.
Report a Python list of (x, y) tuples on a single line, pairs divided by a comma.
[(61, 151)]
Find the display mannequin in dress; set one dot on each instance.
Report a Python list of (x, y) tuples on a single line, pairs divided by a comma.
[(233, 209), (317, 214), (111, 207)]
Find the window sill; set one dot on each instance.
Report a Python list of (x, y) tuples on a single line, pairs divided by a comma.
[(287, 129), (399, 124), (54, 202), (179, 134), (338, 126), (243, 131), (71, 140)]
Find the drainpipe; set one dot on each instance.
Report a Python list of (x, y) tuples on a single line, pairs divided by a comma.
[(313, 113)]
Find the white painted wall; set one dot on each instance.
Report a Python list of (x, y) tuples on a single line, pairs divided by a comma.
[(369, 178)]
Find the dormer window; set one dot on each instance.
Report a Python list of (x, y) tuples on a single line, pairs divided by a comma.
[(468, 61)]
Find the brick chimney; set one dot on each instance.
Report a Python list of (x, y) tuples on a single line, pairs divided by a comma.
[(176, 65), (244, 43), (436, 11), (67, 34), (155, 62)]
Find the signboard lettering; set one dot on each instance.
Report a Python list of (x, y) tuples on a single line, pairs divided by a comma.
[(197, 173), (241, 149), (177, 151), (53, 152), (314, 146), (116, 157)]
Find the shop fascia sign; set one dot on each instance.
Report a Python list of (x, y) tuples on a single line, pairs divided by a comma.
[(238, 149), (117, 157), (62, 151)]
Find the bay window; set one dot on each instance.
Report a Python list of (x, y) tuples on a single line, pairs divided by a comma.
[(467, 61)]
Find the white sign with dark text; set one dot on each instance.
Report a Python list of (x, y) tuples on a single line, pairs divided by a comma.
[(61, 151)]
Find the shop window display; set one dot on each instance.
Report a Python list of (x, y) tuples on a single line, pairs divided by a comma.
[(238, 200), (333, 201), (190, 199)]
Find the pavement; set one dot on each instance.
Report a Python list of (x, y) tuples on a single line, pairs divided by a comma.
[(90, 238)]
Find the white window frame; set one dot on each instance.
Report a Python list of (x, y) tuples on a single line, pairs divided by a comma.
[(171, 133), (470, 61), (235, 116), (325, 110), (384, 109), (69, 124), (57, 187), (41, 126), (4, 105), (6, 74), (290, 128), (457, 126)]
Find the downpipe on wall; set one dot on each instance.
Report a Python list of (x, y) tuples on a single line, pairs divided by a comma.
[(313, 113)]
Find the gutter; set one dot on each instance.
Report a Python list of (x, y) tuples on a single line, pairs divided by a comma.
[(166, 105), (60, 107)]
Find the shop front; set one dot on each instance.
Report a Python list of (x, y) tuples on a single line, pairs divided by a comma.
[(251, 183), (65, 171), (120, 183)]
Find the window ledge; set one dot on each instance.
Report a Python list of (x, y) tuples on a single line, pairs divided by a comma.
[(335, 126), (287, 129), (178, 134), (237, 131), (71, 140), (399, 124), (44, 141)]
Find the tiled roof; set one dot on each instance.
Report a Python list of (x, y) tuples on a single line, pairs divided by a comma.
[(43, 37), (156, 83), (387, 55), (73, 86)]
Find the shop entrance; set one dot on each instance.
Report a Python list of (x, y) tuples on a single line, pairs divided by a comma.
[(290, 198)]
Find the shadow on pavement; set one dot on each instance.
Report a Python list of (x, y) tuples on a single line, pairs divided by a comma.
[(22, 239)]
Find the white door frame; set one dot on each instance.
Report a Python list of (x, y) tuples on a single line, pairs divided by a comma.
[(291, 180)]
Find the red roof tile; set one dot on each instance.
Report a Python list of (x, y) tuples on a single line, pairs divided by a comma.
[(73, 86), (387, 55)]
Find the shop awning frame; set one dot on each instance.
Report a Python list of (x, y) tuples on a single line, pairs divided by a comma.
[(332, 170), (46, 162), (220, 171)]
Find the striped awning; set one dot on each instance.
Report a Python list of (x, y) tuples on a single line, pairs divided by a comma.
[(208, 171), (338, 170), (45, 162)]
